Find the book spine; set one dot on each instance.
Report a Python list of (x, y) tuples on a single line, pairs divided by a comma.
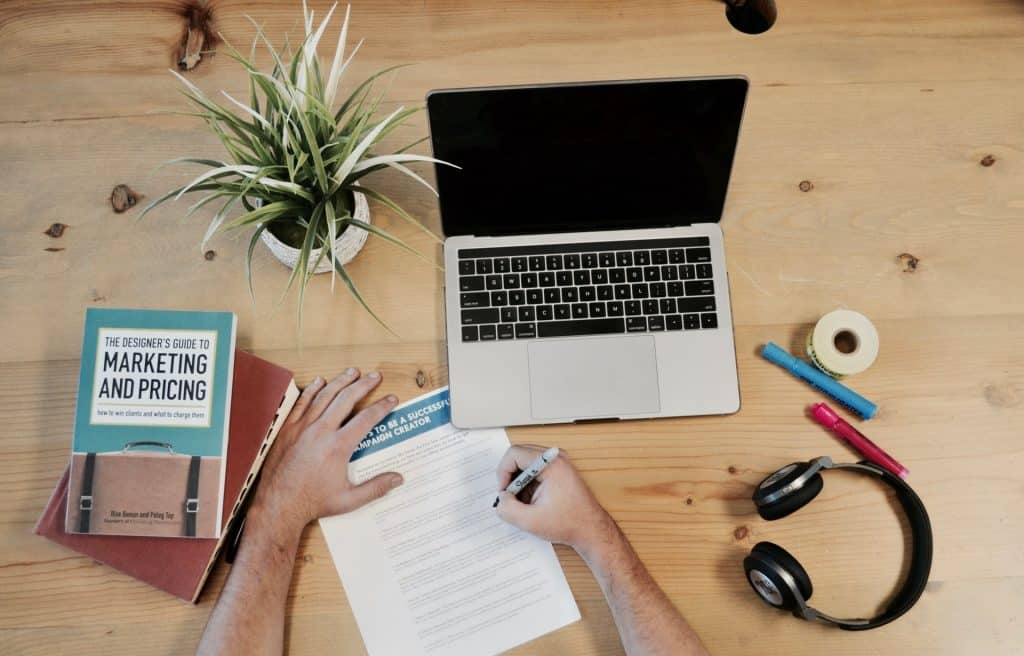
[(237, 511)]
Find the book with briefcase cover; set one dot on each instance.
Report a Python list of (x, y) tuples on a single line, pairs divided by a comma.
[(152, 423)]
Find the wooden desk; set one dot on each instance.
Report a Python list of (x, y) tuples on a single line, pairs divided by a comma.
[(880, 168)]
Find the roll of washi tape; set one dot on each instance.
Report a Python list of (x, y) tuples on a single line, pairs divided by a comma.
[(843, 343)]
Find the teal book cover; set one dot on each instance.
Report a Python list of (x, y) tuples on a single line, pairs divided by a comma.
[(151, 423)]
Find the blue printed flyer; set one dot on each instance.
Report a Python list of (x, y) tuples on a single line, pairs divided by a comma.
[(455, 579), (151, 423)]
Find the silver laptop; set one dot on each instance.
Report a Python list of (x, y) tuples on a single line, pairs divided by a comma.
[(585, 271)]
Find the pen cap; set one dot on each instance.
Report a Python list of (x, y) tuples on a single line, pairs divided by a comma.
[(824, 414), (779, 356)]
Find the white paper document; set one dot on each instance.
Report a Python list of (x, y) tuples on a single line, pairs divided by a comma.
[(430, 568)]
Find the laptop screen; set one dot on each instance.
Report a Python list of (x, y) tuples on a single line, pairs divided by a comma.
[(591, 156)]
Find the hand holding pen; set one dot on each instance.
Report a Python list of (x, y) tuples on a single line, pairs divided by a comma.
[(528, 475), (562, 508)]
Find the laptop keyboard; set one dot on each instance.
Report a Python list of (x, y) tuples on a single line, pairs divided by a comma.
[(568, 290)]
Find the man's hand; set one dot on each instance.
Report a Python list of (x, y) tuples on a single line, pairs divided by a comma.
[(562, 508), (305, 477), (306, 474)]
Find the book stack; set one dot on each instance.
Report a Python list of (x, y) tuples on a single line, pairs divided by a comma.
[(172, 426)]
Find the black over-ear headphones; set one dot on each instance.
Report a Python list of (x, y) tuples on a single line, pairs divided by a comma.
[(782, 582)]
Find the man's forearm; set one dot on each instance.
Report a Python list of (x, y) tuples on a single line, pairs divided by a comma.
[(647, 620), (249, 617)]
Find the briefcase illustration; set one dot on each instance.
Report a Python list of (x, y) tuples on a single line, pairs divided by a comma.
[(144, 492)]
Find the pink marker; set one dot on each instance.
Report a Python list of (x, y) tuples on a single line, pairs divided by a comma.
[(827, 417)]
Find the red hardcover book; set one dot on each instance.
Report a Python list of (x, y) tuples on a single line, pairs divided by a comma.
[(262, 395)]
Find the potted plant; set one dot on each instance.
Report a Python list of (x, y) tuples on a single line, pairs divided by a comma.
[(297, 163)]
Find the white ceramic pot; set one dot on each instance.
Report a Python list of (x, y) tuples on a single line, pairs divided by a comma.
[(346, 246)]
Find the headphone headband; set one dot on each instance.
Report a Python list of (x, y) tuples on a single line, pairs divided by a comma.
[(797, 487), (921, 554)]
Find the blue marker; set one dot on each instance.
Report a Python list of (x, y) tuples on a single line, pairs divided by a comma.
[(820, 381)]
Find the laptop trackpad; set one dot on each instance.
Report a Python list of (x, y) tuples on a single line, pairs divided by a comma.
[(599, 377)]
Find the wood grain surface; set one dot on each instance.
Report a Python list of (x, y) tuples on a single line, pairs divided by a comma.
[(880, 168)]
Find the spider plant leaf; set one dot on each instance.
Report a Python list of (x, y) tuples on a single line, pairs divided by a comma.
[(281, 185), (271, 94), (289, 161), (411, 145), (340, 269), (396, 123), (298, 68), (316, 79), (171, 112), (396, 161), (401, 158), (316, 106), (300, 160), (320, 255), (332, 233), (330, 95), (380, 98), (383, 234), (307, 17), (250, 134), (228, 142), (159, 201), (232, 52), (216, 222), (407, 171), (356, 127), (218, 219), (233, 169), (307, 274), (353, 158), (339, 54), (353, 97), (248, 110), (278, 64), (314, 151), (248, 257), (252, 49), (203, 201), (314, 41), (196, 91), (266, 212), (305, 249), (286, 124), (170, 194), (414, 175), (302, 265), (376, 167), (192, 160), (355, 177), (245, 131), (254, 100), (381, 198)]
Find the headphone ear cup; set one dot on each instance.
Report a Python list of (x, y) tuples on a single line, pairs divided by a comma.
[(793, 501), (766, 581), (786, 561)]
